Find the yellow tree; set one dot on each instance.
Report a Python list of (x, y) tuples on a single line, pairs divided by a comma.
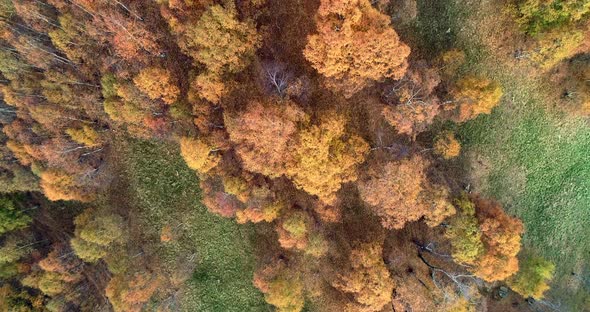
[(464, 233), (355, 45), (366, 278), (198, 155), (86, 136), (96, 231), (282, 287), (219, 40), (157, 84), (533, 277), (474, 96), (446, 145), (60, 185), (262, 135), (324, 157)]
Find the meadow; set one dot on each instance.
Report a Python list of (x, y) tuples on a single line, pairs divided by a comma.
[(528, 153), (166, 192)]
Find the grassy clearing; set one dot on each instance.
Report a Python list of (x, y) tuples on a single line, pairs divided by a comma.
[(166, 192), (535, 160)]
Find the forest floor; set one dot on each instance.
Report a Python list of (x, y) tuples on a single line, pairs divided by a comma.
[(532, 157), (166, 193)]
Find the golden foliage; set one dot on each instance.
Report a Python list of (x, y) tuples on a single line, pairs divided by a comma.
[(343, 26), (446, 145), (157, 84), (474, 96), (366, 279), (557, 46), (501, 235), (324, 158), (209, 86), (86, 136), (60, 185), (451, 60), (198, 154), (220, 41), (282, 287)]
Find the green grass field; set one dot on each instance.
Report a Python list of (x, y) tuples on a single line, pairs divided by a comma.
[(167, 193), (532, 158)]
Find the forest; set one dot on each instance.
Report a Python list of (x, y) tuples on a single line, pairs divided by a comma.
[(295, 155)]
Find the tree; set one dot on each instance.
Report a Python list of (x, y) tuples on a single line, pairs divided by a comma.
[(198, 155), (60, 185), (157, 84), (324, 157), (85, 135), (282, 286), (130, 293), (501, 235), (533, 277), (464, 233), (50, 283), (553, 47), (73, 38), (11, 217), (486, 238), (263, 135), (13, 249), (535, 16), (209, 86), (293, 230), (446, 145), (366, 278), (398, 192), (474, 96), (96, 231), (220, 41), (355, 45), (412, 104), (61, 260)]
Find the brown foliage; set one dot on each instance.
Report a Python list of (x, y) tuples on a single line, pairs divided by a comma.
[(412, 104), (398, 192), (263, 135)]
